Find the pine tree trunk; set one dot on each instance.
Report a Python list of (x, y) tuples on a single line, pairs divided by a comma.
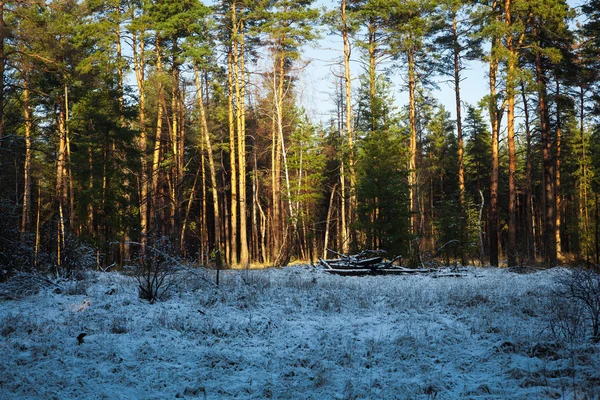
[(557, 191), (69, 172), (328, 222), (138, 49), (119, 63), (550, 256), (233, 258), (25, 219), (2, 68), (512, 156), (240, 86), (583, 207), (61, 195), (459, 134), (495, 120), (412, 166), (528, 171), (157, 211), (349, 132), (176, 177), (372, 71), (217, 243), (279, 224)]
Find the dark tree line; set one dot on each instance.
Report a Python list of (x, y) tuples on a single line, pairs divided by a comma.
[(139, 121)]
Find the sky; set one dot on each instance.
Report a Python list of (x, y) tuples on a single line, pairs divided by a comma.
[(325, 56)]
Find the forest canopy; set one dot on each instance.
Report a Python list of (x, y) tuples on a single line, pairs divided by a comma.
[(176, 122)]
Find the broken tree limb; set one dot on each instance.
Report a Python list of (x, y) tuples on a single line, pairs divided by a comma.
[(325, 263)]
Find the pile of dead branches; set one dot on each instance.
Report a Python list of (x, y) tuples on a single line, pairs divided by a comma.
[(373, 262)]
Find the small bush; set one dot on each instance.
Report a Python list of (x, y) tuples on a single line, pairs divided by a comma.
[(154, 270), (575, 301)]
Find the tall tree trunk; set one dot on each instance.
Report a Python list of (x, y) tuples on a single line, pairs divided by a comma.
[(349, 131), (176, 138), (459, 134), (372, 47), (61, 195), (38, 221), (120, 86), (279, 223), (157, 210), (550, 256), (188, 208), (557, 192), (583, 207), (240, 88), (412, 166), (528, 171), (233, 257), (138, 49), (25, 219), (512, 156), (495, 120), (2, 68), (328, 221), (69, 171), (211, 163)]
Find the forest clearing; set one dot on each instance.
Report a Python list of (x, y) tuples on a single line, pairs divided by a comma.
[(299, 333), (143, 141)]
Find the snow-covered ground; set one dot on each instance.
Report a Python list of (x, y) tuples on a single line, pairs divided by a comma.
[(296, 333)]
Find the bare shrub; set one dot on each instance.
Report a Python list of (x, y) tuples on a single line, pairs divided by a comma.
[(78, 257), (154, 270), (23, 284), (575, 301)]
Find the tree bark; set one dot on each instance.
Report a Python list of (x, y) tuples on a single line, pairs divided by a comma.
[(240, 87), (459, 134), (138, 49), (550, 256), (412, 166), (233, 257), (25, 219), (2, 68), (531, 250), (211, 163), (557, 191), (349, 132), (156, 210), (495, 120), (512, 156)]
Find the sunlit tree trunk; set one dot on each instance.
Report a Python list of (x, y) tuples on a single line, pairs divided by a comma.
[(512, 156), (61, 176), (372, 47), (349, 130), (557, 191), (139, 56), (328, 221), (156, 207), (240, 88), (25, 219), (69, 172), (233, 257), (459, 134), (211, 162), (412, 166), (495, 120)]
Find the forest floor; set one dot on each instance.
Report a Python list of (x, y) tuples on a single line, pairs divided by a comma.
[(297, 333)]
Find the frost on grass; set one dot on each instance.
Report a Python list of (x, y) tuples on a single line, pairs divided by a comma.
[(297, 333)]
